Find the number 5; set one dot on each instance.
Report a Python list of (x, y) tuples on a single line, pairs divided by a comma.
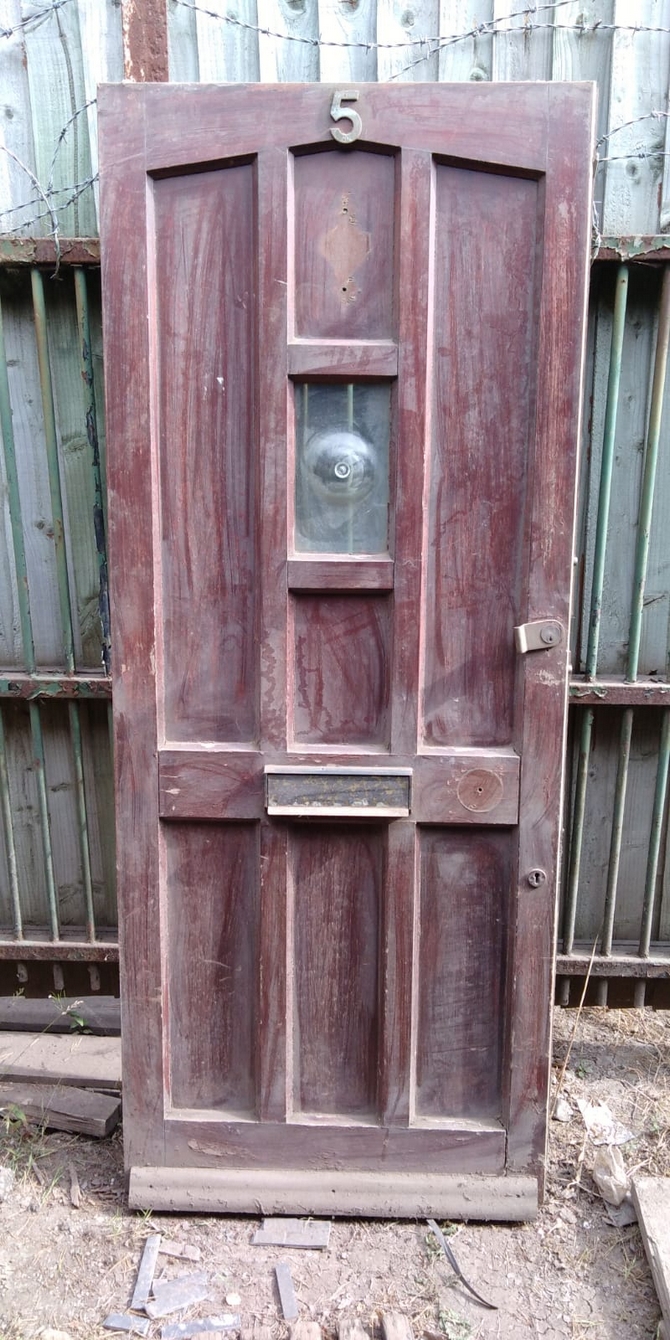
[(337, 111)]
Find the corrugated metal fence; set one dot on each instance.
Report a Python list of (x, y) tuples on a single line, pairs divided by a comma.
[(57, 902)]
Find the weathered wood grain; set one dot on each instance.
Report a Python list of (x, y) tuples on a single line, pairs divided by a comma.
[(521, 50), (399, 24), (481, 452), (227, 50), (63, 1108), (212, 1006), (336, 875), (633, 188), (126, 288), (206, 369), (55, 67), (342, 670), (85, 1062), (101, 1014), (290, 61), (344, 255), (464, 901), (347, 33), (651, 1196)]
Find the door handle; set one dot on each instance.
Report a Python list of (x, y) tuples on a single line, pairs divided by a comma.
[(540, 635)]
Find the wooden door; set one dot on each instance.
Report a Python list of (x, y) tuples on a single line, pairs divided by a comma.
[(343, 387)]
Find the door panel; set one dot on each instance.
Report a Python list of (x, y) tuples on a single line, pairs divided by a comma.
[(342, 670), (205, 282), (212, 884), (352, 415), (485, 359), (464, 902), (337, 879), (344, 246)]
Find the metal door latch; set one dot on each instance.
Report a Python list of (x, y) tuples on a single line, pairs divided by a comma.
[(541, 635)]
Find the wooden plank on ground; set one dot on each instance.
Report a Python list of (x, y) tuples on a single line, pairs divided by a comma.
[(396, 1326), (310, 1330), (101, 1014), (350, 1328), (651, 1196), (87, 1062), (63, 1107)]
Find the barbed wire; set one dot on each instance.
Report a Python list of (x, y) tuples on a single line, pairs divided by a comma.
[(57, 199), (34, 19), (487, 28)]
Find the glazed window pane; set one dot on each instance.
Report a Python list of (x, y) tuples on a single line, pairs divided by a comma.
[(342, 468)]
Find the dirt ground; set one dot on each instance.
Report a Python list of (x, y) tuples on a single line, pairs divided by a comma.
[(571, 1273)]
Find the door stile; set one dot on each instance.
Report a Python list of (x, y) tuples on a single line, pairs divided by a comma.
[(563, 307), (271, 444), (274, 1051), (399, 922), (398, 973), (131, 473), (415, 285)]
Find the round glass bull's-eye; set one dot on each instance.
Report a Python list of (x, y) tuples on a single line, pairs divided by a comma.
[(340, 465)]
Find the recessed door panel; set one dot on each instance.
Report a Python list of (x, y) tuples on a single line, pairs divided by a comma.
[(205, 275), (213, 914), (337, 882), (344, 210), (463, 937), (485, 352), (342, 670)]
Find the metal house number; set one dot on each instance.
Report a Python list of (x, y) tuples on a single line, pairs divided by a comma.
[(338, 112)]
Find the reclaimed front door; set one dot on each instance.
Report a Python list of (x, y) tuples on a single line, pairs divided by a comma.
[(343, 344)]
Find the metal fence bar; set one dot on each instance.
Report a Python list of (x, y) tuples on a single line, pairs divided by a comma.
[(81, 296), (602, 523), (660, 797), (45, 826), (625, 738), (577, 834), (606, 467), (82, 817), (18, 545), (10, 847), (51, 440), (649, 478)]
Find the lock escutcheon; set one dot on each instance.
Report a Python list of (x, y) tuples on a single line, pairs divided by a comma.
[(536, 878)]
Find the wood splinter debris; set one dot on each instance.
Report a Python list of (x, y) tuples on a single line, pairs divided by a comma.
[(176, 1294), (75, 1189), (396, 1326), (209, 1326), (287, 1298), (350, 1328), (121, 1321), (309, 1233), (310, 1330), (145, 1274)]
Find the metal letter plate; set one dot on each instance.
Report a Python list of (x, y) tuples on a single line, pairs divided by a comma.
[(344, 793)]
